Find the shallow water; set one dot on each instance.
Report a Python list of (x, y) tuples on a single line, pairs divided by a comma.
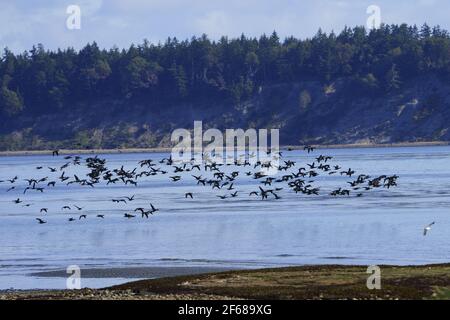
[(382, 227)]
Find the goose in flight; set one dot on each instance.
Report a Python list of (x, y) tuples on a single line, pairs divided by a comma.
[(263, 193), (427, 228), (13, 179), (139, 209), (308, 148), (153, 209), (188, 194), (41, 221)]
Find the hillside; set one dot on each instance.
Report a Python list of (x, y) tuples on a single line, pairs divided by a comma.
[(383, 86), (335, 115)]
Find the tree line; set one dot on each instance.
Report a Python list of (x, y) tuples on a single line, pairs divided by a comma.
[(41, 81)]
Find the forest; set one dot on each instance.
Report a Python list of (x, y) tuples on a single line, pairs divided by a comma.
[(378, 62)]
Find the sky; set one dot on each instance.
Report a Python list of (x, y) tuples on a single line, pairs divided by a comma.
[(120, 23)]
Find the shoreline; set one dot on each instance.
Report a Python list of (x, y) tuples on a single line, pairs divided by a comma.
[(169, 149), (319, 282), (135, 272)]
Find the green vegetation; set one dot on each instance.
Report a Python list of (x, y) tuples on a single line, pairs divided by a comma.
[(148, 78), (307, 282), (304, 282)]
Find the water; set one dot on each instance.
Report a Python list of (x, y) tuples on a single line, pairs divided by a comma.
[(382, 227)]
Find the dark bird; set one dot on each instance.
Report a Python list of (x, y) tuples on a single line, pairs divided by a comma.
[(263, 193), (308, 148), (101, 216), (82, 216), (41, 221), (44, 210), (188, 194), (349, 172), (13, 179), (153, 209)]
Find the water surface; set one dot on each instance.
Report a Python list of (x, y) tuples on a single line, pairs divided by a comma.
[(382, 227)]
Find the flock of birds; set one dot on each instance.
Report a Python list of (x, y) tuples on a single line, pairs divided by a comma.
[(208, 174)]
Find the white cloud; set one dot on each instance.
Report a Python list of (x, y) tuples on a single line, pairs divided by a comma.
[(24, 23)]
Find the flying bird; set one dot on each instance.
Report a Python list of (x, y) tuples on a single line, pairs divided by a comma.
[(427, 228)]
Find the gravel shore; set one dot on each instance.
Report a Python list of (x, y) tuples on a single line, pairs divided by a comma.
[(92, 294), (305, 282)]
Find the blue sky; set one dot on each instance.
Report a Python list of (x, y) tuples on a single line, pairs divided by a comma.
[(122, 22)]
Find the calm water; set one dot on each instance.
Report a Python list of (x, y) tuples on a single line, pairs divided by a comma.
[(382, 227)]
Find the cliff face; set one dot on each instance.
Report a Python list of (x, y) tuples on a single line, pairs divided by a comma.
[(305, 112)]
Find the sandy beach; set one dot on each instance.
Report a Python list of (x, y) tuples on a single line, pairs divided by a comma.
[(134, 272), (304, 282), (168, 149)]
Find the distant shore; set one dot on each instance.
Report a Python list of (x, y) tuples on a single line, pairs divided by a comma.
[(303, 282), (168, 149)]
